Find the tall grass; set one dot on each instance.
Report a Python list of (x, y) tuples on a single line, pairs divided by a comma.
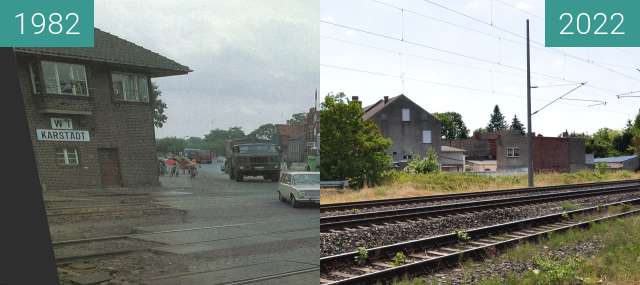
[(400, 184)]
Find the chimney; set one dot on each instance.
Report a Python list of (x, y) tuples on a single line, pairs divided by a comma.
[(386, 99), (354, 98)]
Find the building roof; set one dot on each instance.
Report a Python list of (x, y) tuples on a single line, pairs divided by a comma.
[(289, 130), (615, 159), (112, 49), (373, 109), (446, 148)]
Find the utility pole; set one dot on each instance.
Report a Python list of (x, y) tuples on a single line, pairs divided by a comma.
[(529, 133)]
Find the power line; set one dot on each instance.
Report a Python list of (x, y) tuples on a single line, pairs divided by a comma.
[(588, 61), (555, 100), (457, 54)]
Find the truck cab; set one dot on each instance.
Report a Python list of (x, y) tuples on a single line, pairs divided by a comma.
[(253, 159)]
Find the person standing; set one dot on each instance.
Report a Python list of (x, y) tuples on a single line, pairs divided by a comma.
[(171, 165)]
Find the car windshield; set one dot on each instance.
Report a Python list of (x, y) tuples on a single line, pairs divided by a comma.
[(300, 179), (257, 148)]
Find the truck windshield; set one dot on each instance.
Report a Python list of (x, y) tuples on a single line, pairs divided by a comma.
[(257, 148), (305, 179)]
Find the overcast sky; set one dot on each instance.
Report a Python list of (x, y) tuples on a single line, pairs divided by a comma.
[(254, 61), (437, 80)]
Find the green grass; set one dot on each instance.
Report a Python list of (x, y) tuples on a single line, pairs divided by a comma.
[(401, 184), (617, 263)]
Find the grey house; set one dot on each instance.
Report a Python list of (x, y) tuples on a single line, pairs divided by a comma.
[(411, 128)]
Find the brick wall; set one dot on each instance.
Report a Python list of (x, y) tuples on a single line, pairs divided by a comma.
[(127, 127)]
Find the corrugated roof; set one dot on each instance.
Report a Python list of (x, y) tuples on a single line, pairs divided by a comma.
[(109, 48), (615, 159)]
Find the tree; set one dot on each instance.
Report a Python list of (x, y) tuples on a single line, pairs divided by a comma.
[(516, 125), (170, 144), (352, 148), (297, 119), (215, 139), (159, 107), (265, 132), (452, 125), (497, 121), (429, 164)]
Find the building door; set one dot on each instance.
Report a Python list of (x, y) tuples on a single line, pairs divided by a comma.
[(109, 167)]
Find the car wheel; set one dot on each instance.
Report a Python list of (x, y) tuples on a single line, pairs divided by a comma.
[(280, 197), (293, 202)]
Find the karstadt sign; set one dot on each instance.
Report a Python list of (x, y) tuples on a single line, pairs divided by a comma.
[(62, 135)]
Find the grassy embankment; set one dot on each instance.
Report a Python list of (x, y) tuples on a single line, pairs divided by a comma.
[(618, 262), (400, 184)]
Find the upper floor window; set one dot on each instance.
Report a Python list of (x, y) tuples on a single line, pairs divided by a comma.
[(513, 152), (130, 87), (61, 78), (406, 115)]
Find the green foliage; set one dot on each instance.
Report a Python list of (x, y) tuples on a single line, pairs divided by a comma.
[(569, 206), (516, 125), (170, 144), (427, 165), (462, 235), (265, 132), (159, 107), (497, 121), (352, 148), (297, 119), (601, 168), (362, 256), (399, 259), (453, 126), (216, 138)]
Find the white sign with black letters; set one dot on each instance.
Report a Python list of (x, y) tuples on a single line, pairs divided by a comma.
[(62, 135), (61, 124)]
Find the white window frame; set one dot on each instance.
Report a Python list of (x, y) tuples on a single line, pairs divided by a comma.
[(513, 152), (70, 156), (427, 137), (56, 65), (406, 115), (126, 97)]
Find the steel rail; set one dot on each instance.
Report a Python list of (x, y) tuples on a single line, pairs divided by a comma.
[(433, 253), (365, 219), (435, 198)]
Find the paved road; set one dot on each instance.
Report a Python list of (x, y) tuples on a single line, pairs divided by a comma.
[(242, 233)]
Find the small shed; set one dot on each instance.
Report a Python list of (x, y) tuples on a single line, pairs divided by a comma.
[(627, 162), (452, 159)]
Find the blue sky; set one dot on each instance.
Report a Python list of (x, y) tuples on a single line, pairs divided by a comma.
[(471, 65)]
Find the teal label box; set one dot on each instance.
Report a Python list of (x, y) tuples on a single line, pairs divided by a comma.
[(592, 23), (46, 23)]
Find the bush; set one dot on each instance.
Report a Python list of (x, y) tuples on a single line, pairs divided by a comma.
[(601, 168), (427, 165)]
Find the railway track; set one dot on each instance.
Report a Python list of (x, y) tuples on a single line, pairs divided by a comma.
[(351, 221), (328, 209), (433, 253)]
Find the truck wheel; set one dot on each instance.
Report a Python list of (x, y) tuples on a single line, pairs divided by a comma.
[(239, 177), (293, 202), (231, 176), (275, 178)]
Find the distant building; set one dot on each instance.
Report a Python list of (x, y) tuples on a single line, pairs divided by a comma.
[(549, 153), (629, 162), (312, 132), (286, 135), (90, 112), (411, 129), (452, 159)]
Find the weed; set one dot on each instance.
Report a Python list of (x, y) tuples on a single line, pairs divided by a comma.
[(569, 206), (362, 256), (398, 259), (462, 236)]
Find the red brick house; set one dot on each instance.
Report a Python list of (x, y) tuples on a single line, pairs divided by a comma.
[(90, 112)]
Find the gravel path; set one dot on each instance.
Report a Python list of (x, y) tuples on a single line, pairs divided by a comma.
[(346, 241)]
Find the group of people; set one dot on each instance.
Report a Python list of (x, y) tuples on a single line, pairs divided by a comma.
[(172, 166)]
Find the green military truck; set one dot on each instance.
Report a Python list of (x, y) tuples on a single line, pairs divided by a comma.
[(252, 158)]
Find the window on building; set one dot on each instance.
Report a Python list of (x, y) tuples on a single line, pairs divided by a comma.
[(67, 156), (406, 115), (35, 78), (130, 87), (513, 152), (426, 136), (62, 78)]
